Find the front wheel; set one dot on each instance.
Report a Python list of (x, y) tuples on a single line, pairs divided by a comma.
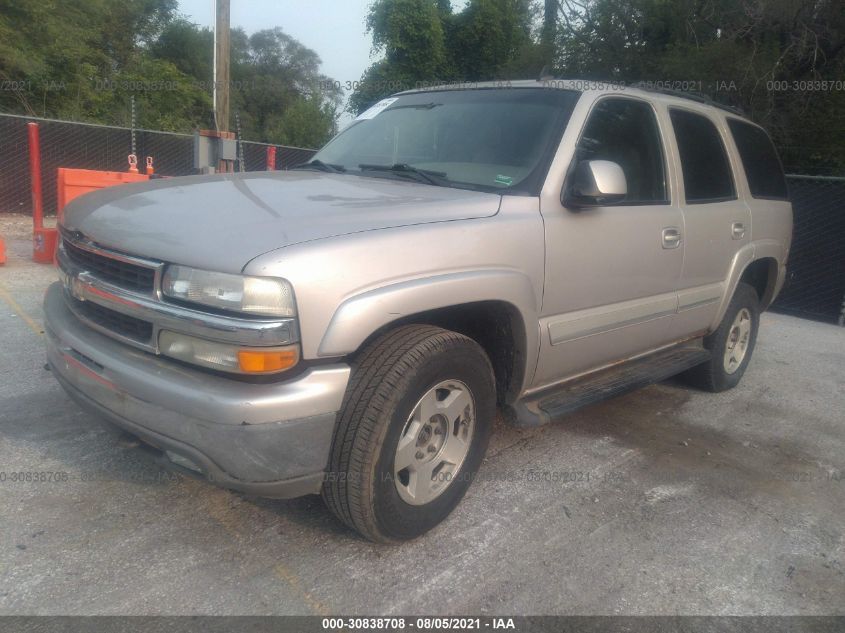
[(731, 344), (412, 432)]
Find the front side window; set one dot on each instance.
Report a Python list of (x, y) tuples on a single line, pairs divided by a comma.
[(488, 139), (625, 131), (704, 161), (762, 167)]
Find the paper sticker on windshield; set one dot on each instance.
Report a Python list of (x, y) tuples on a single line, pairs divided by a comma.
[(504, 180), (376, 109)]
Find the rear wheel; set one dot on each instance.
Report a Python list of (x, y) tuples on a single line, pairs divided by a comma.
[(731, 344), (414, 426)]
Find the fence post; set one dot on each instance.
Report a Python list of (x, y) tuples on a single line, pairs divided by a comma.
[(43, 240), (271, 158), (35, 175)]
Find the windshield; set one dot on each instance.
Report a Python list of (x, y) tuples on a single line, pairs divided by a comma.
[(486, 139)]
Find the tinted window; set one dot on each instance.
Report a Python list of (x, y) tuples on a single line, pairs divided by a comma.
[(762, 167), (625, 131), (707, 173)]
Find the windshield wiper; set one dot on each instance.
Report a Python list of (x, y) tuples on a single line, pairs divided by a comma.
[(318, 164), (417, 106), (404, 169)]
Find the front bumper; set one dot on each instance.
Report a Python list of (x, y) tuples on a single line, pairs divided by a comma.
[(270, 439)]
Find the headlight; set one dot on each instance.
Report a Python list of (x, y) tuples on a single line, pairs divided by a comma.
[(227, 357), (267, 296)]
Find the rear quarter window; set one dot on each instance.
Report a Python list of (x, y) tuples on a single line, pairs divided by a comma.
[(759, 159), (704, 161)]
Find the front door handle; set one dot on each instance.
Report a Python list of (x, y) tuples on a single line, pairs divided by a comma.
[(737, 230), (671, 237)]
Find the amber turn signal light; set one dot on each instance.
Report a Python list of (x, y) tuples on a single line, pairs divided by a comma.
[(255, 361)]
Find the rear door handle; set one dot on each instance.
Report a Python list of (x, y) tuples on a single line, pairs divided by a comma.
[(671, 237), (737, 230)]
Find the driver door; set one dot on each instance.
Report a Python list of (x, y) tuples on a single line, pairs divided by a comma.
[(611, 272)]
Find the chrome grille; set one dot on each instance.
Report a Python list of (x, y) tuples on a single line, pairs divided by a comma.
[(118, 294), (121, 324), (120, 273)]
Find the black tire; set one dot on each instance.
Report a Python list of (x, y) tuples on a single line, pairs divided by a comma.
[(388, 379), (712, 375)]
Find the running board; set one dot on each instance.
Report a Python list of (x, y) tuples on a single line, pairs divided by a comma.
[(555, 402)]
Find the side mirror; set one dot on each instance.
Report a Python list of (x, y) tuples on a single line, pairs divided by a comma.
[(594, 183)]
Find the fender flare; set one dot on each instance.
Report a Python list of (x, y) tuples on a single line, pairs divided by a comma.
[(359, 316), (744, 257)]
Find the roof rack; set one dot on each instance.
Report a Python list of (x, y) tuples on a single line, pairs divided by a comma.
[(692, 96)]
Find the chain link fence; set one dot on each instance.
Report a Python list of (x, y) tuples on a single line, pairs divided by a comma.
[(815, 284), (87, 146)]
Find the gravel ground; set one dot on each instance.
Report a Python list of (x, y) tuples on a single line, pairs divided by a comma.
[(664, 501), (19, 227)]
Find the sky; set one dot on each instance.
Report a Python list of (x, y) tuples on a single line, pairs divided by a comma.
[(333, 28)]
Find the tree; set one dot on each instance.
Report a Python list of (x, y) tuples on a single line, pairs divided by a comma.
[(189, 48), (87, 61), (276, 85), (410, 33), (425, 41), (59, 56), (488, 36)]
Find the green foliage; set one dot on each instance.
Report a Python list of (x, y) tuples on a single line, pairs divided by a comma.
[(410, 33), (304, 123), (165, 99), (278, 90), (488, 35), (189, 48), (425, 41), (85, 61)]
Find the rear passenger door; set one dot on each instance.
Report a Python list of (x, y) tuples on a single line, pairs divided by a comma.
[(717, 223)]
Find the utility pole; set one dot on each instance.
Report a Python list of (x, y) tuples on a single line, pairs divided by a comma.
[(216, 150), (547, 40), (221, 70)]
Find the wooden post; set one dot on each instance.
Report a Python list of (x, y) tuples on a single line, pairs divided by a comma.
[(222, 56), (547, 38)]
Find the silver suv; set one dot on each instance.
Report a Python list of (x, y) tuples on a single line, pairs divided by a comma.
[(350, 327)]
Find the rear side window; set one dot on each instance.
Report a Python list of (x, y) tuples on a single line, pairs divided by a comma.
[(707, 173), (762, 167)]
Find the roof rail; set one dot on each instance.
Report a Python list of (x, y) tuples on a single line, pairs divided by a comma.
[(692, 96)]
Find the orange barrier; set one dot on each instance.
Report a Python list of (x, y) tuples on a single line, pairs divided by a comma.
[(72, 183), (2, 251)]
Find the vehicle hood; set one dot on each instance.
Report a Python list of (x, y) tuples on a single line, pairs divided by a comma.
[(222, 221)]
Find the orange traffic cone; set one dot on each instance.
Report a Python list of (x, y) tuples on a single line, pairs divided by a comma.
[(2, 251)]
